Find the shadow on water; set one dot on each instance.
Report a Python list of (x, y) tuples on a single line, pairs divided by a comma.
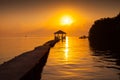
[(109, 56), (35, 73)]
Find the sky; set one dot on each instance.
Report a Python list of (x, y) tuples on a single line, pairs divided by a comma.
[(42, 17)]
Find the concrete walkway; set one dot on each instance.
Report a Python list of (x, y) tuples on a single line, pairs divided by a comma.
[(21, 65)]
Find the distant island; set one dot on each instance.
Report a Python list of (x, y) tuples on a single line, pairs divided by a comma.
[(105, 34), (83, 37)]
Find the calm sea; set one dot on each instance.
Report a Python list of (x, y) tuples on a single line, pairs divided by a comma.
[(73, 60), (14, 46)]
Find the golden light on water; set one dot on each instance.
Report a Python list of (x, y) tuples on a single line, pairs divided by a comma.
[(66, 49)]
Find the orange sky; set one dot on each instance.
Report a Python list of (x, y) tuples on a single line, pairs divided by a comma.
[(42, 18)]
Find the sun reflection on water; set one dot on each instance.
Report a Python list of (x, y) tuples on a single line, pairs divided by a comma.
[(66, 49), (72, 60)]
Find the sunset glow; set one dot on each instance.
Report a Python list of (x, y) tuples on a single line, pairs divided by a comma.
[(37, 19), (59, 39), (66, 20)]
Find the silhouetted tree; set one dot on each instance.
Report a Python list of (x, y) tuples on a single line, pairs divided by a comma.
[(105, 34)]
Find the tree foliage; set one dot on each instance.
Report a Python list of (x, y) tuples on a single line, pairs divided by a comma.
[(105, 34)]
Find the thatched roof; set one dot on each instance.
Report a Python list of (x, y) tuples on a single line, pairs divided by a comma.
[(60, 32)]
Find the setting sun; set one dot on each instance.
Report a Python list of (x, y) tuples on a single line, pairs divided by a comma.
[(66, 20)]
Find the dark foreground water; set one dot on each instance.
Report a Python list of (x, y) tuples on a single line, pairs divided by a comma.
[(73, 60)]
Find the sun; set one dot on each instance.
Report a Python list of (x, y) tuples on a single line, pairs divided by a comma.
[(66, 20)]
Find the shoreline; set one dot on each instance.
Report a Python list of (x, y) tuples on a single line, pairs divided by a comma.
[(28, 65)]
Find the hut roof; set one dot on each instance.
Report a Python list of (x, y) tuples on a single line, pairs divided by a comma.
[(60, 32)]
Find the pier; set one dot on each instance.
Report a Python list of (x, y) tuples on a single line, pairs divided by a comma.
[(27, 66)]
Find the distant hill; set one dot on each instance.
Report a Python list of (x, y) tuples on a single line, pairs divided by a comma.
[(105, 34)]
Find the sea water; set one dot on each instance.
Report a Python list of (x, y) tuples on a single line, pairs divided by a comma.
[(70, 59), (73, 59), (14, 46)]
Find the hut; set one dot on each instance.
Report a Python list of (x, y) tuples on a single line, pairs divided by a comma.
[(60, 35)]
